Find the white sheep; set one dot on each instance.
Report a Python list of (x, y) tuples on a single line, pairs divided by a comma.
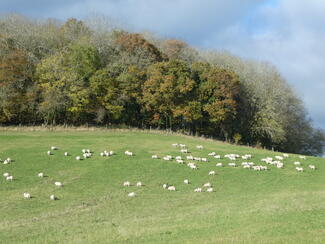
[(199, 147), (219, 164), (190, 157), (6, 162), (178, 157), (297, 163), (49, 153), (208, 184), (66, 154), (6, 175), (285, 155), (78, 158), (193, 166), (198, 189), (212, 172), (217, 156), (212, 154), (139, 184), (171, 188), (204, 160), (279, 157), (210, 189), (40, 175), (58, 183), (180, 161), (126, 183), (299, 169), (232, 164), (182, 145), (313, 167), (154, 156), (26, 195), (102, 154), (9, 178), (53, 197), (54, 148), (83, 150), (302, 157), (184, 151), (186, 181), (165, 186), (131, 194), (175, 145)]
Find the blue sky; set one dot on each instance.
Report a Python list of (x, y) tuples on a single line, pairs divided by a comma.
[(288, 33)]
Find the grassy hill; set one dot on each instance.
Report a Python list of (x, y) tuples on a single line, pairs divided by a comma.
[(273, 206)]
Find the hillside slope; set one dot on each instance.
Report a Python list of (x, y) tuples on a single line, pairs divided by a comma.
[(247, 206)]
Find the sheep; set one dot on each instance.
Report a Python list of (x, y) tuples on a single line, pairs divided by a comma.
[(128, 153), (154, 157), (279, 165), (199, 147), (179, 161), (302, 157), (299, 169), (285, 155), (197, 159), (256, 168), (83, 150), (204, 160), (190, 157), (246, 166), (219, 164), (171, 188), (217, 156), (40, 175), (186, 181), (9, 178), (184, 151), (312, 167), (232, 164), (212, 172), (208, 184), (111, 153), (166, 158), (53, 197), (26, 195), (58, 183), (182, 145), (54, 148), (102, 154), (6, 162), (279, 157), (212, 154), (126, 183), (165, 186), (78, 158), (210, 189), (193, 166), (244, 157), (297, 163), (131, 194), (49, 153), (66, 154), (175, 145), (6, 174), (139, 184), (178, 158), (198, 189), (263, 167)]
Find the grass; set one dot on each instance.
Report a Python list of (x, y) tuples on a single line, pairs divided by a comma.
[(275, 206)]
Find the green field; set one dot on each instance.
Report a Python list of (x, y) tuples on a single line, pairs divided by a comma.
[(274, 206)]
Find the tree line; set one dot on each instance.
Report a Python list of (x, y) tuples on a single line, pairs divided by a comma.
[(91, 72)]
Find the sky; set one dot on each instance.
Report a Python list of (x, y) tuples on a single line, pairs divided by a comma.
[(288, 33)]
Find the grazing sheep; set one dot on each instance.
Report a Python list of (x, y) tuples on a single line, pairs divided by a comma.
[(312, 167), (210, 189), (9, 178), (54, 148), (139, 184), (302, 157), (78, 158), (186, 181), (6, 162), (131, 194), (212, 154), (53, 197), (285, 155), (58, 183), (83, 150), (199, 147), (190, 157), (299, 169), (204, 160), (154, 157), (166, 158), (279, 157), (279, 165), (219, 164), (246, 166), (26, 195), (199, 189), (165, 186), (40, 175), (102, 154), (175, 145), (212, 172), (178, 158), (126, 183), (171, 188), (208, 184), (184, 151), (49, 153), (6, 175), (111, 153), (217, 156), (66, 154), (232, 164), (182, 145), (180, 161), (297, 163), (128, 153), (193, 166)]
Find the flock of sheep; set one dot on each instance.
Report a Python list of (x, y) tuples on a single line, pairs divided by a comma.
[(87, 153)]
